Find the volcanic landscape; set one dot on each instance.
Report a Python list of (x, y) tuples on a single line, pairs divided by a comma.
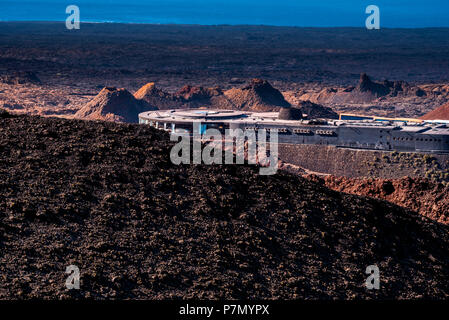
[(82, 184)]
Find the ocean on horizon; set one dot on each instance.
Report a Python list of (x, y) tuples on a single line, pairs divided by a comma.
[(325, 13)]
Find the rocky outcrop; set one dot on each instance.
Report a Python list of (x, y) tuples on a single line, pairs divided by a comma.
[(371, 87), (366, 91), (114, 104)]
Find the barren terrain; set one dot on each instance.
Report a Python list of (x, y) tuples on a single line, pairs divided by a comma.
[(317, 64), (106, 197)]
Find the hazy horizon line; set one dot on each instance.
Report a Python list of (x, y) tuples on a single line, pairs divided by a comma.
[(217, 25)]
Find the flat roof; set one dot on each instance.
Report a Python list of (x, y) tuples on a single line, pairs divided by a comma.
[(192, 114), (271, 118)]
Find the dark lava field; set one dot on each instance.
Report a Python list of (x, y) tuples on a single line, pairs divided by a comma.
[(131, 55), (106, 198)]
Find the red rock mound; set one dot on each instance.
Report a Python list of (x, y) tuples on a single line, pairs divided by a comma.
[(196, 97), (258, 95), (371, 87), (159, 98), (430, 199), (441, 113), (367, 90), (113, 104)]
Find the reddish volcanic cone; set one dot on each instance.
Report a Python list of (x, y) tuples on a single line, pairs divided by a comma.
[(441, 113), (147, 89), (158, 98), (113, 104), (258, 95)]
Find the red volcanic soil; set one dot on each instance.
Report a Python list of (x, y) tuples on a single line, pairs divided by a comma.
[(441, 113), (114, 105), (429, 198), (105, 197)]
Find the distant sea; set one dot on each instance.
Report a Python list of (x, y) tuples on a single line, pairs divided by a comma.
[(312, 13)]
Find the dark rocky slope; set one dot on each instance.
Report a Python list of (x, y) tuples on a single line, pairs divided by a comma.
[(105, 197)]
